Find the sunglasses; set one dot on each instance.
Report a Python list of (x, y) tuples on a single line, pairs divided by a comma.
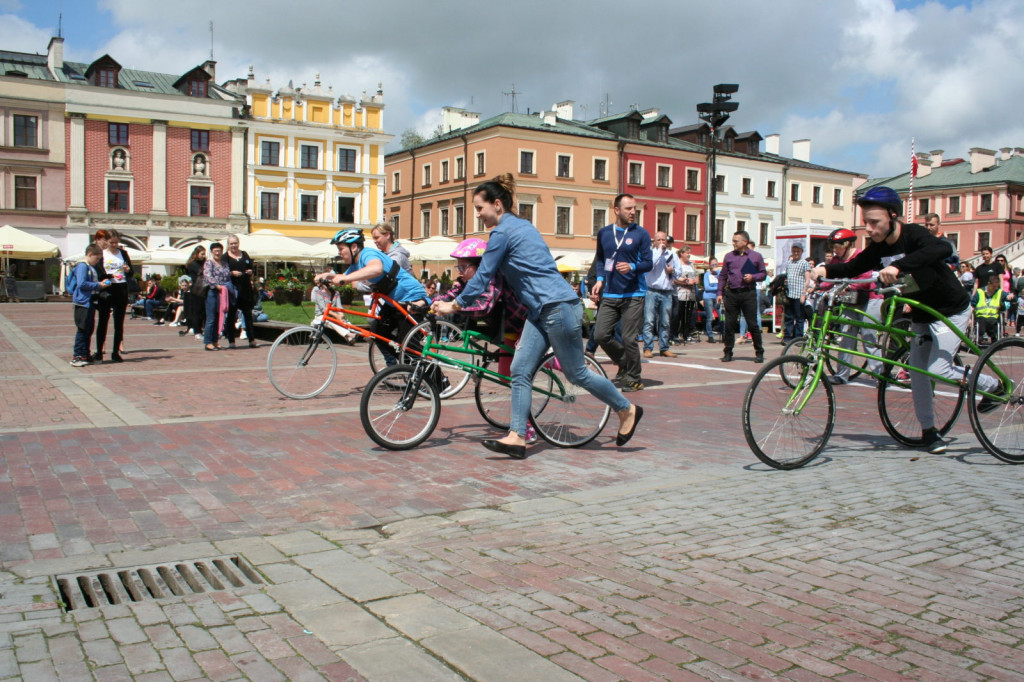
[(463, 268)]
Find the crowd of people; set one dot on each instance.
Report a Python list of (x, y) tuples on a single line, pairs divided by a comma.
[(215, 299)]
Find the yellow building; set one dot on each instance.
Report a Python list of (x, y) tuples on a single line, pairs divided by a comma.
[(315, 160)]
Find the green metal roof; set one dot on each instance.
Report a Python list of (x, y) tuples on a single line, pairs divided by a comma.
[(1010, 171), (32, 65)]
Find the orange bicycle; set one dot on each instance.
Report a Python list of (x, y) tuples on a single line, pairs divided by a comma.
[(303, 361)]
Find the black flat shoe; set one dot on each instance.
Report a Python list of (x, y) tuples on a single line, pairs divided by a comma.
[(116, 358), (623, 438), (513, 451)]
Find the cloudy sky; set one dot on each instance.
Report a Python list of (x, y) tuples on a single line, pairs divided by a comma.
[(860, 78)]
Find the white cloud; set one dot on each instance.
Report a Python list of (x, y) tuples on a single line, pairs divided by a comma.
[(859, 77), (19, 35)]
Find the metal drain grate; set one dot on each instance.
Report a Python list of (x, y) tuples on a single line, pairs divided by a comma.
[(155, 581)]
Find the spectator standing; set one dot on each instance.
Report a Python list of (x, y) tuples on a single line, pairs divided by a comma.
[(240, 265), (710, 298), (659, 296), (195, 302), (85, 284), (742, 270), (934, 225), (117, 267), (967, 276), (796, 292), (986, 269), (623, 256), (218, 278), (384, 239), (686, 292)]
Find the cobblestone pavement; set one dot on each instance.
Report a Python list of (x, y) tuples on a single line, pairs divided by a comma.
[(677, 557)]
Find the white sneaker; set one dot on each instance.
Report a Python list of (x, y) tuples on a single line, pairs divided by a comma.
[(199, 337)]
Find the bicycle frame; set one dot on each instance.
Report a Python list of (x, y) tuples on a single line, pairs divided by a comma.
[(336, 315), (819, 347), (474, 344)]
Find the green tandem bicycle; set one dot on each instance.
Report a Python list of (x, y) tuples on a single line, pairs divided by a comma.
[(789, 410)]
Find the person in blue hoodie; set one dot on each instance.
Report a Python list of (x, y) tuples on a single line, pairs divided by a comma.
[(623, 257), (84, 283)]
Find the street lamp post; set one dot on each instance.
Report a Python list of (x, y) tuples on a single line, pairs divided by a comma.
[(715, 114)]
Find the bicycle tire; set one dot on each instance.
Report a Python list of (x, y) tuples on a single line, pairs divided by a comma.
[(778, 435), (448, 334), (896, 403), (564, 414), (493, 400), (393, 419), (1001, 431), (856, 369), (291, 366)]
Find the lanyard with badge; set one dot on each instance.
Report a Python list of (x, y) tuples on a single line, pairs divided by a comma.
[(609, 263)]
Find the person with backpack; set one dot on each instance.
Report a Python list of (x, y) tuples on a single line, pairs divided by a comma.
[(84, 283)]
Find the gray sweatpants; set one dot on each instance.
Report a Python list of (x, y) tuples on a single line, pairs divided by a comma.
[(933, 348)]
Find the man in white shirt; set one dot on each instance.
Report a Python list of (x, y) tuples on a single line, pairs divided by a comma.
[(658, 299)]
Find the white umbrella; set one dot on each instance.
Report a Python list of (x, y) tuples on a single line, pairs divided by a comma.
[(167, 255), (15, 243), (271, 245), (432, 248)]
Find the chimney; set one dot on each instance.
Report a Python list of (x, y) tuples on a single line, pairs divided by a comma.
[(802, 150), (981, 159), (772, 144), (924, 165), (548, 117), (55, 55), (936, 157), (650, 113), (210, 67), (1018, 151), (1005, 153), (564, 110), (455, 118)]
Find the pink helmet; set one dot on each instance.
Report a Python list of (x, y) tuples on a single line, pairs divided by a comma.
[(470, 248)]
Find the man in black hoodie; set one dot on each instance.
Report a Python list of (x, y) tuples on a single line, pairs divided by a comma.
[(896, 248)]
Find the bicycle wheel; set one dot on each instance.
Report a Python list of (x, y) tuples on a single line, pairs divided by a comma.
[(1001, 430), (377, 358), (395, 415), (302, 362), (453, 379), (493, 400), (786, 427), (564, 414), (896, 403)]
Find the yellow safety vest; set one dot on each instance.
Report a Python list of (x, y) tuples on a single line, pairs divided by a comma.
[(989, 307)]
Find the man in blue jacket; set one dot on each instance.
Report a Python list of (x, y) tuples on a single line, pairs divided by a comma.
[(623, 257)]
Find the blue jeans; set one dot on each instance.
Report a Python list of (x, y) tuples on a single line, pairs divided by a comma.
[(85, 323), (560, 327), (210, 335), (150, 304), (794, 319), (709, 317), (657, 311)]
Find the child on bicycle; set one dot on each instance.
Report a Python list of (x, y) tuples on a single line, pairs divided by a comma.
[(988, 307), (896, 248), (497, 301)]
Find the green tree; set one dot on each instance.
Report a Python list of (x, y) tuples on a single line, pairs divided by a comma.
[(411, 138)]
